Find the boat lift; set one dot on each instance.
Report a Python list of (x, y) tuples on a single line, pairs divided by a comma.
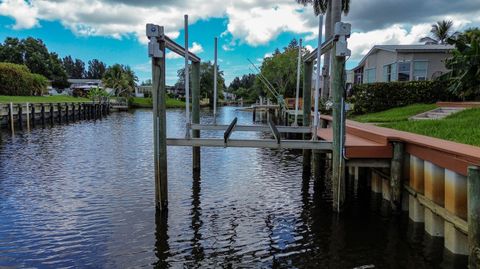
[(158, 43)]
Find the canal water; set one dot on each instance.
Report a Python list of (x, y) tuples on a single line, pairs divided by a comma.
[(82, 196)]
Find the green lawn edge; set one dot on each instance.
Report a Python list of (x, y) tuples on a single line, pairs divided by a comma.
[(5, 99), (395, 114)]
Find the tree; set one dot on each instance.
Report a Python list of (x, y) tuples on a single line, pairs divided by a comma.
[(58, 76), (440, 32), (206, 81), (12, 51), (79, 69), (34, 54), (120, 78), (280, 70), (96, 69), (464, 78), (68, 65)]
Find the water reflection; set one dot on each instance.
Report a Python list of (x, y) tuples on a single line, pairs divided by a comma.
[(82, 195)]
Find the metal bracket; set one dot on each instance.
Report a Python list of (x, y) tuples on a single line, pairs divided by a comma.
[(229, 131), (274, 129)]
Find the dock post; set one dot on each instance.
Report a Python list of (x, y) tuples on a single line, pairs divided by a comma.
[(307, 107), (10, 113), (396, 176), (66, 114), (254, 113), (32, 113), (338, 127), (42, 112), (59, 108), (474, 216), (51, 114), (27, 114), (160, 128), (196, 112), (20, 117)]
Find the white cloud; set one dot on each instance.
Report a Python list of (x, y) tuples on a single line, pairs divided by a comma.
[(361, 43), (25, 15), (309, 48), (267, 55), (196, 48)]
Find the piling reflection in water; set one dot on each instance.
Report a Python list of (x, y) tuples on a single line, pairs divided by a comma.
[(82, 196)]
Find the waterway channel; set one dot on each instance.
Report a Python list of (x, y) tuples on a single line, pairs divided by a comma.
[(82, 196)]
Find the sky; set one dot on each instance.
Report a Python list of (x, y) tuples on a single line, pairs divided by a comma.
[(114, 30)]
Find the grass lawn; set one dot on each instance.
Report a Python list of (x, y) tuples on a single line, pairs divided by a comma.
[(462, 127), (41, 99), (140, 102), (395, 114)]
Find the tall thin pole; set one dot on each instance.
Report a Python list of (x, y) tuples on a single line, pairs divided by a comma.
[(28, 116), (215, 84), (187, 79), (317, 75), (299, 67)]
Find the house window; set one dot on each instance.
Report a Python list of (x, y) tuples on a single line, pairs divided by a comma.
[(369, 76), (394, 72), (420, 70), (390, 72), (404, 71)]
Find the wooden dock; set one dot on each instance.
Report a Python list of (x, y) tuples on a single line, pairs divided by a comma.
[(17, 116)]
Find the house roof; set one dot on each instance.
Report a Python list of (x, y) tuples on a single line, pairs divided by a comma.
[(438, 48), (83, 81)]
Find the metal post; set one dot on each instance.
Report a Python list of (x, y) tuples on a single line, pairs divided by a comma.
[(215, 83), (396, 176), (307, 107), (317, 76), (196, 112), (297, 94), (160, 129), (187, 79), (338, 161), (473, 186)]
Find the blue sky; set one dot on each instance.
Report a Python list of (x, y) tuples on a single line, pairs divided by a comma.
[(128, 50), (114, 30)]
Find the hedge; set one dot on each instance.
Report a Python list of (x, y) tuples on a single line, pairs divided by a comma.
[(17, 79), (374, 97)]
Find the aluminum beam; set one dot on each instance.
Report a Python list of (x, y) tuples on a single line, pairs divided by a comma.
[(252, 128), (255, 143), (173, 46), (313, 55)]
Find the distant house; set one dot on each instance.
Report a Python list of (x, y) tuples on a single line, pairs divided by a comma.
[(385, 63), (80, 87)]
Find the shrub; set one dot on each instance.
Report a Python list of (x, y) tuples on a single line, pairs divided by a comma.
[(374, 97), (16, 79)]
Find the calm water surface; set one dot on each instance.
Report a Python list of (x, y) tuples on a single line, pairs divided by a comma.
[(82, 196)]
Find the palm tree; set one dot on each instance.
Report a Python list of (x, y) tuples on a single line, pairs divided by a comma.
[(120, 78), (333, 10), (440, 32)]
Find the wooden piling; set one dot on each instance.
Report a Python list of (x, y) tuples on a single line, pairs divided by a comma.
[(67, 120), (42, 114), (27, 115), (51, 114), (307, 107), (196, 112), (20, 117), (396, 176), (473, 186), (32, 113), (254, 113), (338, 162), (59, 108), (10, 114), (160, 129)]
